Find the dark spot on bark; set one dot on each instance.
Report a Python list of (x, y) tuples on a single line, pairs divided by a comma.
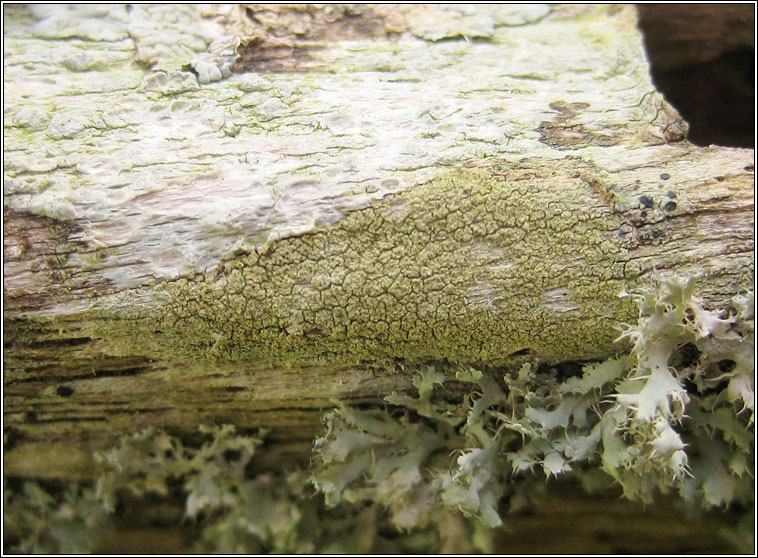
[(561, 133), (720, 179), (646, 201), (671, 194), (73, 419), (670, 206), (602, 536), (64, 391), (572, 108), (665, 176)]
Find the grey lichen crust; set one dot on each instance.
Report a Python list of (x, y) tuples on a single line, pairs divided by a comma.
[(474, 265), (315, 217), (166, 37), (129, 154)]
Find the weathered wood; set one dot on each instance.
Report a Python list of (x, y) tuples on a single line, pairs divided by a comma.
[(246, 213), (449, 183)]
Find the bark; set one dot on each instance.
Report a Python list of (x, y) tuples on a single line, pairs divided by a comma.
[(284, 206)]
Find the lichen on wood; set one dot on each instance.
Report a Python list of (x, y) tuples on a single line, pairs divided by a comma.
[(241, 214), (431, 462)]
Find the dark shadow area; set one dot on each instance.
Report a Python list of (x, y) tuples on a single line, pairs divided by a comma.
[(702, 59)]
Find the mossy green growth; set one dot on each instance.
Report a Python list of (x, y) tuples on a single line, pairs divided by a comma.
[(673, 416), (475, 265)]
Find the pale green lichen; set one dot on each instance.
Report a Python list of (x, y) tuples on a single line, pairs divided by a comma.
[(674, 415), (653, 420), (473, 266), (234, 511)]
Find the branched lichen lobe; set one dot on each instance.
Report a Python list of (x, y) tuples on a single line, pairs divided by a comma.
[(477, 264)]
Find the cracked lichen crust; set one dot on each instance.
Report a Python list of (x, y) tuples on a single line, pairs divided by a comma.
[(162, 175), (475, 265), (688, 377)]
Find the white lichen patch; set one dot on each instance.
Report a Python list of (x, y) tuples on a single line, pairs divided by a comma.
[(559, 300), (155, 158), (447, 21), (482, 294), (93, 22)]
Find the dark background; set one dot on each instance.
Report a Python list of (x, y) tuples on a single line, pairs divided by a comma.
[(702, 59)]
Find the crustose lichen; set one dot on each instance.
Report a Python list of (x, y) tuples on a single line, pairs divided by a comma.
[(635, 417), (673, 415)]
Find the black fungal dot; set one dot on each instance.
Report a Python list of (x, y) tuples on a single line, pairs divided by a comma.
[(646, 201), (665, 176), (643, 213), (670, 206), (720, 178), (671, 194), (750, 168), (64, 391)]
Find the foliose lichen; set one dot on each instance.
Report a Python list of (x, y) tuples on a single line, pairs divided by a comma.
[(675, 415), (660, 418), (234, 511)]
